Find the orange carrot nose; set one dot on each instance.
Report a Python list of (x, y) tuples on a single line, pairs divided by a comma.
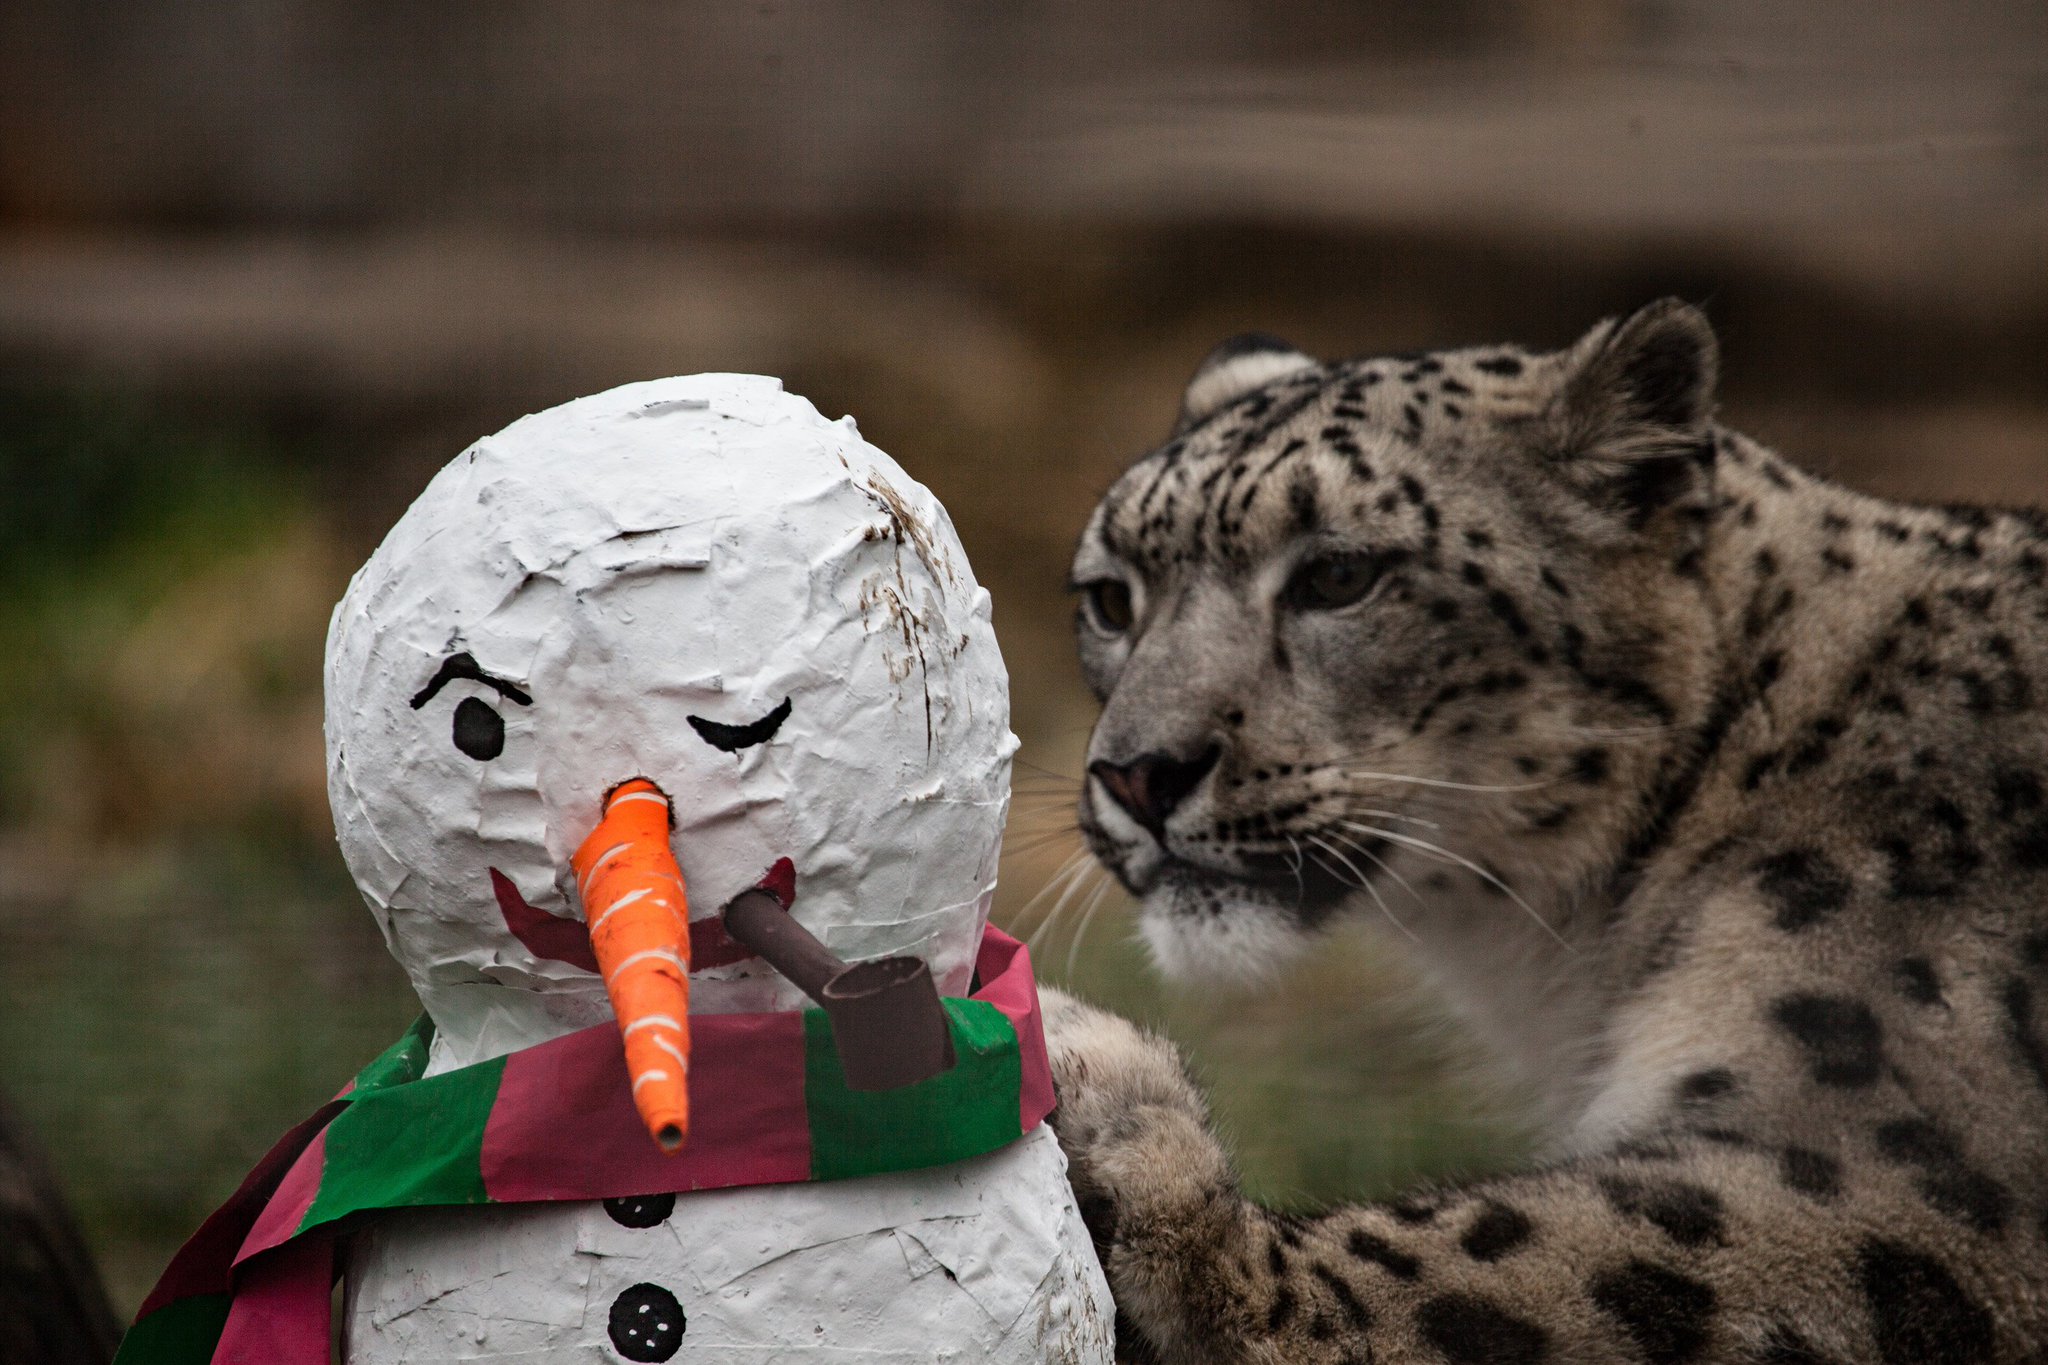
[(639, 919)]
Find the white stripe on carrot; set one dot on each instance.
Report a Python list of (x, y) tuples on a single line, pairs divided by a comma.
[(633, 897), (661, 954)]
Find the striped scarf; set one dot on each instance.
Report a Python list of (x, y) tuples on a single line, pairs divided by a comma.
[(253, 1284)]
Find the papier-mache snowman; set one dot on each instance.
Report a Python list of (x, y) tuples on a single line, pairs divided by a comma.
[(695, 604)]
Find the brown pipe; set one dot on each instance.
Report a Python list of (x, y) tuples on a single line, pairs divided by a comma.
[(758, 920), (887, 1022)]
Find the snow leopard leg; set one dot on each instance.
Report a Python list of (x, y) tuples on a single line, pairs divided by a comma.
[(1685, 1247)]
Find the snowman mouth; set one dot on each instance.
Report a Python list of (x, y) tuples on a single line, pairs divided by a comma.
[(561, 939), (733, 738)]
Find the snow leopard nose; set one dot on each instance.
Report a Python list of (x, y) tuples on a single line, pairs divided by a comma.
[(1152, 785)]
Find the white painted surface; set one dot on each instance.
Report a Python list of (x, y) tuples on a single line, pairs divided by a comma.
[(984, 1260)]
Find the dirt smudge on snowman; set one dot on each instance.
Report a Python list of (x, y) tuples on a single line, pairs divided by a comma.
[(903, 527)]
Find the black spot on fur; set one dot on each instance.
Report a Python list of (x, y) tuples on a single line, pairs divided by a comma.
[(1304, 510), (1469, 1330), (1917, 981), (1919, 1314), (1590, 765), (1378, 1251), (1814, 1174), (1842, 1038), (2029, 847), (1976, 601), (1946, 1181), (1665, 1313), (1503, 606), (1706, 1085), (1414, 1212), (1498, 1230), (2018, 999), (1282, 1308), (1803, 886), (1689, 1215), (1506, 366), (1347, 1298)]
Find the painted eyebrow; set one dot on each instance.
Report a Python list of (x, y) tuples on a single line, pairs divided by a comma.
[(463, 666)]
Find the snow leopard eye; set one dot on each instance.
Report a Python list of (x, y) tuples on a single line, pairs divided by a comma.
[(1109, 605), (1328, 582)]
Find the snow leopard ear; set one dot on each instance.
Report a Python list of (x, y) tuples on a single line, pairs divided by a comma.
[(1630, 421), (1233, 370)]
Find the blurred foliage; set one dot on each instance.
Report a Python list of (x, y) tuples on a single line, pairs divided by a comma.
[(165, 1025), (184, 967)]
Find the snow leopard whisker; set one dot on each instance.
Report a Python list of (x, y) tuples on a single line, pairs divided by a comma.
[(1429, 849), (1377, 861), (1404, 819), (1300, 881), (1438, 781), (1077, 887), (1038, 840), (1364, 882), (1059, 882), (1087, 919)]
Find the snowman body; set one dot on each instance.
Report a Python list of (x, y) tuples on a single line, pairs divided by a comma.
[(980, 1260), (703, 583)]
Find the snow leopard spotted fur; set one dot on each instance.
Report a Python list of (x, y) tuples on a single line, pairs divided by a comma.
[(1710, 791)]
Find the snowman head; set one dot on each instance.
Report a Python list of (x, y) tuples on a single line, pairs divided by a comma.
[(698, 581)]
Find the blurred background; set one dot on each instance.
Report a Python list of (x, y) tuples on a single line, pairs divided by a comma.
[(264, 267)]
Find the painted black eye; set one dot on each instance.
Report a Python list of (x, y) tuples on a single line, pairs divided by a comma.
[(647, 1323), (479, 731), (1328, 582), (1109, 605)]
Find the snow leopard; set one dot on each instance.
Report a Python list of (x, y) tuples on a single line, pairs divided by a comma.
[(1709, 791)]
